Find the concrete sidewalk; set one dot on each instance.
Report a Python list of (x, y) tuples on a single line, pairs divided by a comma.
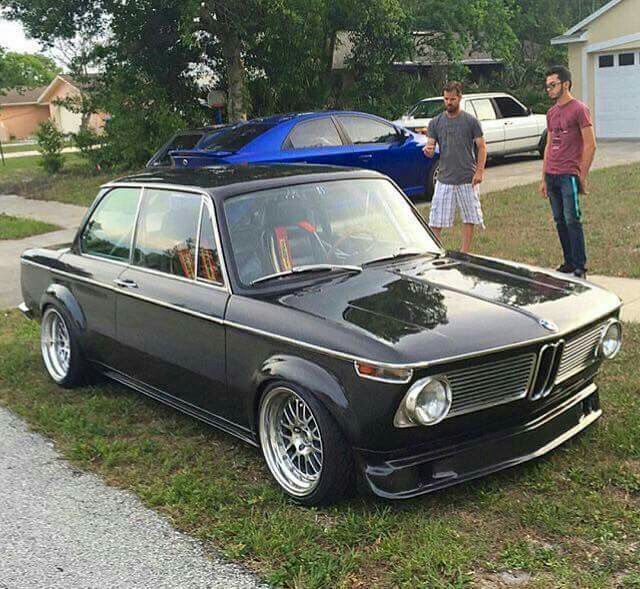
[(33, 153)]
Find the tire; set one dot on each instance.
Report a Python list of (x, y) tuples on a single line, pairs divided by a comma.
[(61, 353), (303, 446), (543, 144), (430, 183)]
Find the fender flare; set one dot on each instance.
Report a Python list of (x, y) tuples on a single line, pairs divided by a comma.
[(311, 376), (60, 294)]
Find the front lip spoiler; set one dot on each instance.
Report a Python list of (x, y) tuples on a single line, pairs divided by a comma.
[(413, 475), (28, 313)]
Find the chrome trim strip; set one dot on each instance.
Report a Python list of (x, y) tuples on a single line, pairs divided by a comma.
[(101, 259), (351, 357), (198, 232), (134, 234), (223, 265)]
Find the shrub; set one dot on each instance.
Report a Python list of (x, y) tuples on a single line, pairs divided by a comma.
[(50, 142)]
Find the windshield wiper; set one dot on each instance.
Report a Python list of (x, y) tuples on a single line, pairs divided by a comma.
[(307, 268), (401, 253)]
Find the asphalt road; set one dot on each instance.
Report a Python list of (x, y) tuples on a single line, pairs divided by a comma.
[(63, 528)]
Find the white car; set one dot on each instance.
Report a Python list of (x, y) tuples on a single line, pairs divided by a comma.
[(508, 125)]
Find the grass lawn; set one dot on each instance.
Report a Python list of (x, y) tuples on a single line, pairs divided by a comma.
[(19, 227), (75, 183), (519, 224), (569, 520)]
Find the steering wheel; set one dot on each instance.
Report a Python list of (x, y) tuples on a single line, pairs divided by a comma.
[(336, 253)]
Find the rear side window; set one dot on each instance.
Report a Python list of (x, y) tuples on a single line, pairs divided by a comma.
[(236, 138), (484, 109), (315, 133), (109, 232), (208, 257), (509, 107), (166, 233), (365, 130)]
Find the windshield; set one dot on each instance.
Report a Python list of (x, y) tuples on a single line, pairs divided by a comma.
[(339, 223), (237, 137), (427, 109)]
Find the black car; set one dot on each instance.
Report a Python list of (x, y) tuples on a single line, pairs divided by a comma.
[(310, 311), (197, 138)]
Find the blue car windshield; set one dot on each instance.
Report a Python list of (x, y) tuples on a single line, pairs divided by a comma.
[(237, 137), (341, 222)]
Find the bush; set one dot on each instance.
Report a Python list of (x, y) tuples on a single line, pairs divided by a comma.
[(88, 142), (50, 142)]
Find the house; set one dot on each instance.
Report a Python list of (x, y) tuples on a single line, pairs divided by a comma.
[(424, 56), (604, 58), (21, 113)]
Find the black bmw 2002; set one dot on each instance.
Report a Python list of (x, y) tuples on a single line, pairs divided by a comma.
[(310, 311)]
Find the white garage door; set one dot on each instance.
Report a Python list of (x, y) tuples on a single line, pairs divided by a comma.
[(617, 94)]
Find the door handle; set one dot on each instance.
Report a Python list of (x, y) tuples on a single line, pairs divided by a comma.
[(126, 283), (508, 123)]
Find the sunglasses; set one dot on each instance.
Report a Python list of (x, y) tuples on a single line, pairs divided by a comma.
[(552, 86)]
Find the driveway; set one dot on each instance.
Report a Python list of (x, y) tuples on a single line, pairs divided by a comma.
[(65, 529), (524, 169)]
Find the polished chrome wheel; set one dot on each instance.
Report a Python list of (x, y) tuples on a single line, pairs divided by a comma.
[(55, 344), (291, 441)]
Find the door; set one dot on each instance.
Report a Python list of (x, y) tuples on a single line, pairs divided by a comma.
[(520, 127), (378, 145), (316, 141), (96, 260), (617, 75), (492, 128), (171, 302)]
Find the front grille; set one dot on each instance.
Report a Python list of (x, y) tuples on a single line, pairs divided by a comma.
[(579, 352), (490, 384)]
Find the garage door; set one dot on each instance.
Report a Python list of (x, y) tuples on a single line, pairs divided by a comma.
[(617, 94)]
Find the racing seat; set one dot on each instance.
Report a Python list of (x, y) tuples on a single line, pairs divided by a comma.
[(292, 239)]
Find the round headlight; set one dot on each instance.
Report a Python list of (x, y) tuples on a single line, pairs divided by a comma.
[(428, 401), (611, 340)]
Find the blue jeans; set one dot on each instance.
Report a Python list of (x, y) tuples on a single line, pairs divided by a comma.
[(562, 190)]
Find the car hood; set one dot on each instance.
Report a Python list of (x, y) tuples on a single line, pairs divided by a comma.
[(427, 309)]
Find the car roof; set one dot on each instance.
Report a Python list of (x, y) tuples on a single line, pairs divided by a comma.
[(228, 180), (475, 95)]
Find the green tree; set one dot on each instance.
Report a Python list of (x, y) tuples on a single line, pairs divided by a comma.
[(25, 70)]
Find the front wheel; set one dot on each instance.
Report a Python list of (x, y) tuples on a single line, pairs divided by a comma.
[(542, 144), (303, 446), (60, 349), (432, 177)]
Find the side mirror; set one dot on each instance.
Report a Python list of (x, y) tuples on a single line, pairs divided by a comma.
[(403, 134), (529, 111)]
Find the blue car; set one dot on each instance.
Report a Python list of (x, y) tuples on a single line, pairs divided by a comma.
[(337, 138)]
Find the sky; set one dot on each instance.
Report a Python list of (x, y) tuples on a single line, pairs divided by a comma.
[(12, 38)]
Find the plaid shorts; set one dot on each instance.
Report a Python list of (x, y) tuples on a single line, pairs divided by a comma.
[(448, 197)]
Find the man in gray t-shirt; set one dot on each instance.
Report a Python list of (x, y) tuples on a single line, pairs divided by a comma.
[(459, 136)]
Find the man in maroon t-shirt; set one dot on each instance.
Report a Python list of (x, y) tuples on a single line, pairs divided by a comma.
[(568, 155)]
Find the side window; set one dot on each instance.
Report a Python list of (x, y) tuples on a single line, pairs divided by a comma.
[(315, 133), (208, 258), (484, 109), (109, 232), (509, 107), (468, 107), (365, 130), (166, 234)]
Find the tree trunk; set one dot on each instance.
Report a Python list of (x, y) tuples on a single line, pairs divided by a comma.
[(236, 107)]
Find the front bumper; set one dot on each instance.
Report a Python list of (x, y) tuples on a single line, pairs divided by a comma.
[(401, 475)]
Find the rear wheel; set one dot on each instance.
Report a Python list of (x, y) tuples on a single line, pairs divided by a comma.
[(60, 349), (303, 446)]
